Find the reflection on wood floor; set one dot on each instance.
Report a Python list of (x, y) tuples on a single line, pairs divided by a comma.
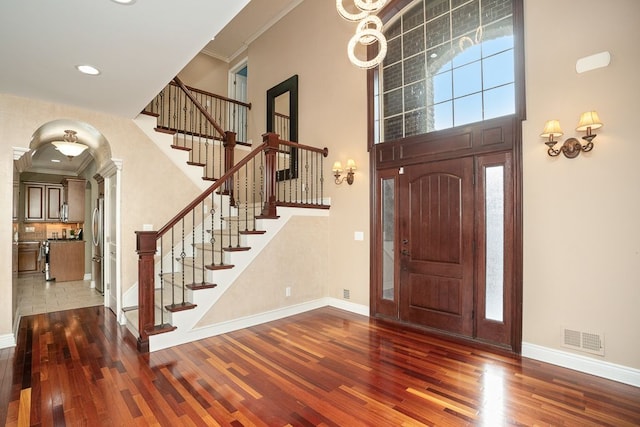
[(325, 367)]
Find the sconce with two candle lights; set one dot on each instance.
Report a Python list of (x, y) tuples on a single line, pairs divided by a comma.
[(337, 171), (572, 147)]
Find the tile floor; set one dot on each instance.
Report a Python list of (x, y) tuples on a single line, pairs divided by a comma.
[(35, 295)]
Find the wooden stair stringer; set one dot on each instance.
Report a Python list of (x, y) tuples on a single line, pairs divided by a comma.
[(205, 299)]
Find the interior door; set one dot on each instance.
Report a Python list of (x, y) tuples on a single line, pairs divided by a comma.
[(436, 245)]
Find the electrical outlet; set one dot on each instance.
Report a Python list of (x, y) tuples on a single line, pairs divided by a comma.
[(287, 291)]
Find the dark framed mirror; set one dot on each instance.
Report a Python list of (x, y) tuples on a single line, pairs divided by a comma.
[(282, 118)]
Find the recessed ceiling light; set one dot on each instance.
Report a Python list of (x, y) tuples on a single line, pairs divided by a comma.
[(124, 1), (88, 69)]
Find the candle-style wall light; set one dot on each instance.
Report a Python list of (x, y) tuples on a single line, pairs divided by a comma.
[(572, 147), (337, 171)]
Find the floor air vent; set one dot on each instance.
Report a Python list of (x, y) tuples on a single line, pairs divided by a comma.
[(583, 341)]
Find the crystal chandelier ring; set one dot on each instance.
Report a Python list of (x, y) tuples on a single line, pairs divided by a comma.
[(357, 38), (365, 25), (350, 16), (370, 5)]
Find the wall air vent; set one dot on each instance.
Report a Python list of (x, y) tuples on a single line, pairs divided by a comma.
[(588, 342)]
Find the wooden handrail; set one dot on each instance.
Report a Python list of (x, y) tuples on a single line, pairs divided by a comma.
[(324, 151), (198, 106), (220, 97), (210, 190)]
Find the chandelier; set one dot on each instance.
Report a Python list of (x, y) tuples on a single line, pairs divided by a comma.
[(69, 146), (368, 31)]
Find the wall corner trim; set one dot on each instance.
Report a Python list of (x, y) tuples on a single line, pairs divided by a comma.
[(588, 365), (7, 340)]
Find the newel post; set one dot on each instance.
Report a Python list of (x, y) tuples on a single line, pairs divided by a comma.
[(146, 249), (270, 153), (229, 161)]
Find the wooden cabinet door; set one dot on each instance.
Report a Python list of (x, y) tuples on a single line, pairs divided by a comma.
[(16, 201), (28, 258), (74, 197), (34, 202), (54, 201)]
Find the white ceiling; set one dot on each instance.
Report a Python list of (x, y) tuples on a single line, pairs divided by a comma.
[(139, 48)]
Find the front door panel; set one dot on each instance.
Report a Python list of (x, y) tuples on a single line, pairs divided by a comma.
[(436, 245)]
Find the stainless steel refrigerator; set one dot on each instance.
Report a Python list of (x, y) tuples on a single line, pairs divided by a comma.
[(97, 225)]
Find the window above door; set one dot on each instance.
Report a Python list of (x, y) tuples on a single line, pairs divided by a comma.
[(449, 63)]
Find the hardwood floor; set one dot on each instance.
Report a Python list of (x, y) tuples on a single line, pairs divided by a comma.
[(325, 367)]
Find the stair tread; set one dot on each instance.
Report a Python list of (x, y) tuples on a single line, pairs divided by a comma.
[(196, 164), (219, 266), (173, 308), (236, 248), (161, 329)]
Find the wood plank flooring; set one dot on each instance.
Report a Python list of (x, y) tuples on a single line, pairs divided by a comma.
[(326, 367)]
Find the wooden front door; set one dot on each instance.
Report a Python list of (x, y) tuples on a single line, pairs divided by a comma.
[(436, 218)]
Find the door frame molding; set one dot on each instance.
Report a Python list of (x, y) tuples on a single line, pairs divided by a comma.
[(503, 134)]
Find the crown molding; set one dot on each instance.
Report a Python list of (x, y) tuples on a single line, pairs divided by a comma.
[(255, 35)]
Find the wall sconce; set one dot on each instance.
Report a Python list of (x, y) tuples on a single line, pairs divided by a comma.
[(337, 171), (589, 121)]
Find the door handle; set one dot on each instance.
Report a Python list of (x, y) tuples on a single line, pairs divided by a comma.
[(405, 241), (405, 252)]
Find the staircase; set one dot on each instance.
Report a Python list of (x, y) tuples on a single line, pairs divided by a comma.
[(187, 265)]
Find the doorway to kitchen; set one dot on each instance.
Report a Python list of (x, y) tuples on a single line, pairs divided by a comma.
[(60, 214)]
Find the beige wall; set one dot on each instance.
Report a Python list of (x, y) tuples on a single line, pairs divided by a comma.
[(296, 258), (581, 229), (147, 175), (206, 73), (332, 107)]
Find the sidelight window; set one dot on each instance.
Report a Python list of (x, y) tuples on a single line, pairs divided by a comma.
[(449, 63)]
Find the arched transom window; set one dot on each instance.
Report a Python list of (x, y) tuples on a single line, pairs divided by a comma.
[(449, 63)]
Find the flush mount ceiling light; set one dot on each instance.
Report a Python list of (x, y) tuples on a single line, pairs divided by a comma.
[(124, 1), (88, 69), (69, 146)]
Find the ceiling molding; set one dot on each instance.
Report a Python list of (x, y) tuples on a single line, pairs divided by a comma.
[(253, 36), (215, 55)]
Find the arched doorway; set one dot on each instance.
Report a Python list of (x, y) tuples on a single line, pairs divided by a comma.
[(42, 162)]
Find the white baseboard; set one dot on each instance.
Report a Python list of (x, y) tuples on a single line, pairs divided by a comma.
[(7, 340), (349, 306), (159, 342), (584, 364), (87, 276)]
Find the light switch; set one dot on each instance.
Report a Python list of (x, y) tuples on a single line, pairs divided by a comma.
[(358, 235)]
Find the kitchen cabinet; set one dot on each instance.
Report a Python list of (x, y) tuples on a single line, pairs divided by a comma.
[(53, 197), (34, 202), (66, 260), (42, 201), (28, 261), (16, 201), (73, 210)]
